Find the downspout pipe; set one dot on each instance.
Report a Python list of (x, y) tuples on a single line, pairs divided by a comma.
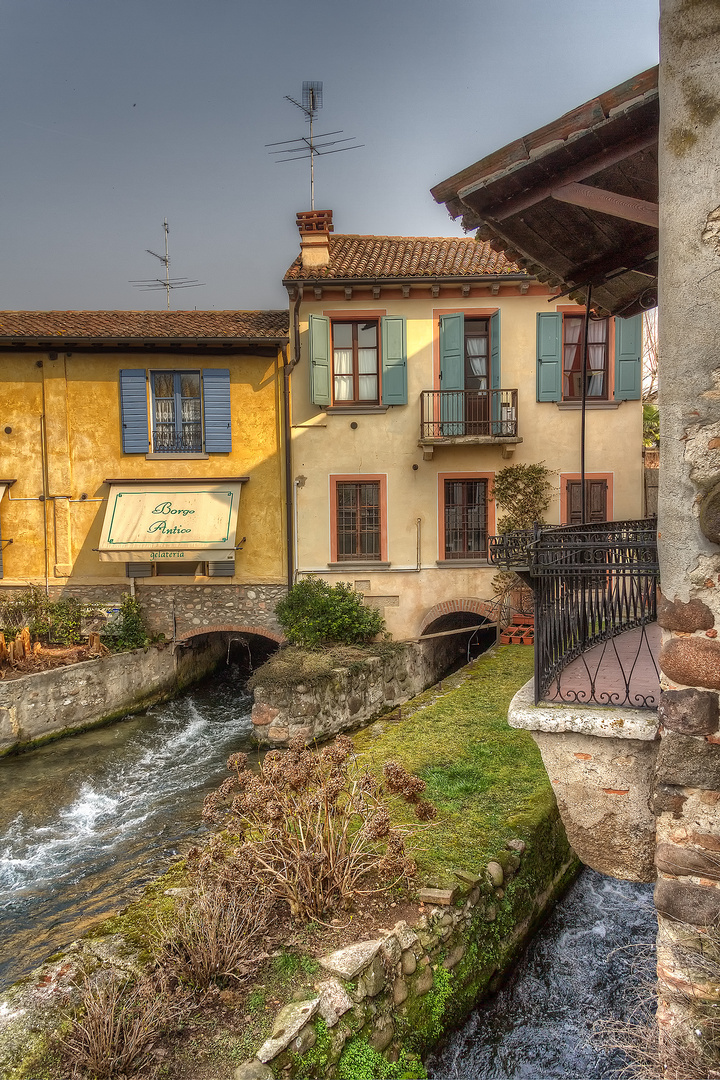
[(288, 367), (586, 331)]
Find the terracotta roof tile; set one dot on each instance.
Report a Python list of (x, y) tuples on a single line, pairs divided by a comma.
[(382, 257), (133, 325)]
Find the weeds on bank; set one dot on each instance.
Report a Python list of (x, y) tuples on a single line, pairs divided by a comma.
[(118, 1024), (689, 1047), (315, 829)]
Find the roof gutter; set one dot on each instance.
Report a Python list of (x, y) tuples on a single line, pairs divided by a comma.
[(122, 341)]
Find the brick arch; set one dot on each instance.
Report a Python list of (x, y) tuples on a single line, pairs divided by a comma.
[(465, 603), (225, 628)]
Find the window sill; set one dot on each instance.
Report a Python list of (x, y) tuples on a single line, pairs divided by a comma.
[(358, 410), (570, 405), (176, 457), (351, 565), (448, 564)]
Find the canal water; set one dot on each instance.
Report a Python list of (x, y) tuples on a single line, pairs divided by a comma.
[(86, 821), (585, 967)]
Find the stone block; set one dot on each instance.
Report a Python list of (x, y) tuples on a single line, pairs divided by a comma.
[(454, 957), (278, 734), (667, 799), (516, 845), (684, 761), (334, 1001), (347, 963), (438, 896), (382, 1035), (495, 873), (692, 904), (409, 963), (400, 991), (705, 840), (372, 981), (689, 712), (673, 859), (692, 661), (674, 615), (253, 1070), (424, 982), (406, 935), (304, 1041), (390, 951), (289, 1022)]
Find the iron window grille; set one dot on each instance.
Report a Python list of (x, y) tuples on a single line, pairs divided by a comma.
[(358, 521), (465, 519), (177, 412)]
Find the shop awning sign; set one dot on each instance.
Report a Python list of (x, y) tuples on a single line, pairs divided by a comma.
[(170, 521)]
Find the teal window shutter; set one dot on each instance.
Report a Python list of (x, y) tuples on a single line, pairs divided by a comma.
[(394, 360), (319, 331), (549, 356), (628, 358), (216, 407), (134, 411), (452, 352), (495, 351)]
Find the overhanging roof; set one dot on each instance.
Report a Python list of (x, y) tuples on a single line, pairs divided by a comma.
[(575, 202)]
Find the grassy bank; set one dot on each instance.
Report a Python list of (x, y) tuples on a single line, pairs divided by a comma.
[(486, 779), (488, 784)]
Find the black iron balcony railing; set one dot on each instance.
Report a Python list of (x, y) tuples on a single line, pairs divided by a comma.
[(592, 583), (449, 414), (167, 439)]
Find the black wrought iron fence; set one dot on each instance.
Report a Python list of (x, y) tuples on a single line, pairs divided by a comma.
[(446, 414), (595, 590)]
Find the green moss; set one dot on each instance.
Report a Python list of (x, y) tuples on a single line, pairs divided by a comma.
[(293, 665), (359, 1061)]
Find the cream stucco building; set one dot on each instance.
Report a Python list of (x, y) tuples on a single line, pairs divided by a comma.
[(422, 366)]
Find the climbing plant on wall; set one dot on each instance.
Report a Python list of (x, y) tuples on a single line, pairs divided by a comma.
[(523, 493)]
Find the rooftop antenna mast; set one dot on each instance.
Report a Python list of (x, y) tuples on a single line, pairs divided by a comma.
[(167, 283), (312, 102)]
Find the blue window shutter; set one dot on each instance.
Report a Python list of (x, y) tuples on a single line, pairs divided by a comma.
[(549, 356), (452, 352), (319, 332), (394, 360), (216, 403), (628, 358), (134, 411)]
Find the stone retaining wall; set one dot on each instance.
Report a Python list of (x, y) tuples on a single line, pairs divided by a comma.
[(49, 704), (400, 992), (353, 695)]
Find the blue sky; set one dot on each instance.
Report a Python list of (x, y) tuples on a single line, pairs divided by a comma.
[(118, 113)]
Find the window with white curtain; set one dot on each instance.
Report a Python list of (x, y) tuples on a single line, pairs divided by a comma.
[(355, 362), (596, 372)]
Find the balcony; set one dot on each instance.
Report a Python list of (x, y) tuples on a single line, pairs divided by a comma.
[(468, 418), (596, 642)]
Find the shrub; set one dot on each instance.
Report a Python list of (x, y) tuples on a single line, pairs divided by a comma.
[(215, 934), (57, 620), (523, 493), (130, 632), (315, 613), (315, 829), (117, 1024)]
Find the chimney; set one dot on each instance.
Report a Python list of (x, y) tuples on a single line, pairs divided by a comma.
[(315, 227)]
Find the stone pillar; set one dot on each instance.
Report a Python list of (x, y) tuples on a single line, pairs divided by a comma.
[(687, 788)]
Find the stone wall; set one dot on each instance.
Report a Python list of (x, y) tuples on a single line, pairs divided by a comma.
[(601, 762), (180, 611), (395, 995), (49, 704), (352, 696)]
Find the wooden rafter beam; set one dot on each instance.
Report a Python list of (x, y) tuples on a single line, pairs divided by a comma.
[(608, 202), (588, 167)]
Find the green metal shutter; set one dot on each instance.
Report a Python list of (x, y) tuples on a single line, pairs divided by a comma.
[(394, 360), (134, 411), (628, 358), (319, 333), (216, 407), (549, 356)]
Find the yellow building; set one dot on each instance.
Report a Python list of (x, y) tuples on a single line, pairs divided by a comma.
[(423, 366), (143, 452)]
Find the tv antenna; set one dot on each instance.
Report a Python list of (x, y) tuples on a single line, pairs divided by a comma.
[(312, 102), (167, 283)]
